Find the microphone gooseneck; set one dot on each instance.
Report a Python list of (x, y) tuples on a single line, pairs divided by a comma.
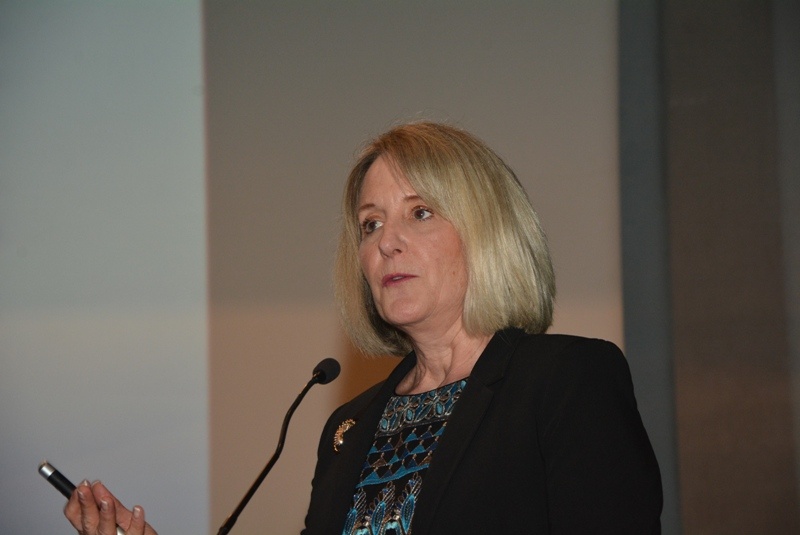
[(325, 372)]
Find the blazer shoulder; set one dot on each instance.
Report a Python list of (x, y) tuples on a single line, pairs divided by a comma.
[(560, 347), (562, 342), (554, 355)]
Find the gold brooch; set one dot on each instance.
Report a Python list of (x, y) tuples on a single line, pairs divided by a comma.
[(338, 436)]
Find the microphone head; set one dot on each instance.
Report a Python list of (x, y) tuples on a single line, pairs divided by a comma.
[(327, 370)]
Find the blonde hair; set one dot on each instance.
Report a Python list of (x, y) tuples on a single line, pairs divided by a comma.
[(510, 275)]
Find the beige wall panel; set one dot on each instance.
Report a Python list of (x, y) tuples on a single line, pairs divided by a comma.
[(263, 358), (293, 90)]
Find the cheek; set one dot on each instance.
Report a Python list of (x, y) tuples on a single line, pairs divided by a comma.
[(455, 261), (364, 263)]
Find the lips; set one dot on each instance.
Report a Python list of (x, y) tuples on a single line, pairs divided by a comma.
[(395, 278)]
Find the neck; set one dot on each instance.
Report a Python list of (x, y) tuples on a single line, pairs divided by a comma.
[(442, 360)]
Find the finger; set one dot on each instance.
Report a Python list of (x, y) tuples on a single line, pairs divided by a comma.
[(137, 524), (108, 517), (112, 512), (72, 510), (90, 515), (133, 519), (122, 515)]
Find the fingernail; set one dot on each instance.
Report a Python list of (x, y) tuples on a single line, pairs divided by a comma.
[(137, 512), (85, 483), (104, 505), (81, 494)]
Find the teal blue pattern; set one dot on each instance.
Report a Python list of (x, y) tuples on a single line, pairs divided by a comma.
[(405, 442)]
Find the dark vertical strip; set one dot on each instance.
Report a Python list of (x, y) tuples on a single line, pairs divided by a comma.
[(646, 291), (730, 343), (786, 27)]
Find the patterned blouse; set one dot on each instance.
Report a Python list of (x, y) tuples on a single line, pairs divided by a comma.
[(391, 477)]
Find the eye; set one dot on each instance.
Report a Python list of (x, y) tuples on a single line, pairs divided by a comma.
[(420, 213), (368, 226)]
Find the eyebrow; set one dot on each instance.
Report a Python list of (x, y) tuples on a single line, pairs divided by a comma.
[(406, 199)]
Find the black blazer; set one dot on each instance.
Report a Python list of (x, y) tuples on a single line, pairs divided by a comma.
[(545, 439)]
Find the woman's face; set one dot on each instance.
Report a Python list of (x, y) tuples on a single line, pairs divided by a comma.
[(411, 257)]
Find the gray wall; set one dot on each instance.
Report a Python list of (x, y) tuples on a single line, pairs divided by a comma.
[(102, 255)]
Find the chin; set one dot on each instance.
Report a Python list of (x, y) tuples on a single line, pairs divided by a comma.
[(401, 318)]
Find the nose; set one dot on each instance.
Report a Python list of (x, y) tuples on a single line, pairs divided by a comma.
[(392, 239)]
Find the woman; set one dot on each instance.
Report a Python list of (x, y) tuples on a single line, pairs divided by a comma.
[(487, 425)]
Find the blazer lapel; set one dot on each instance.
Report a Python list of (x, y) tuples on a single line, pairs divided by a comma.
[(357, 442), (462, 425)]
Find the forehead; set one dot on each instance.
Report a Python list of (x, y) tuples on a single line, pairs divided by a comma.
[(384, 178)]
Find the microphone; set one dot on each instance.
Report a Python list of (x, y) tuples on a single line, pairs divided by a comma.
[(325, 372)]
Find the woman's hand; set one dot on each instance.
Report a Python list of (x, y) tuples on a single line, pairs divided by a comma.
[(93, 510)]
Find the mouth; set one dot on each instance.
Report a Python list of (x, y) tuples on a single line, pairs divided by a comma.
[(395, 278)]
